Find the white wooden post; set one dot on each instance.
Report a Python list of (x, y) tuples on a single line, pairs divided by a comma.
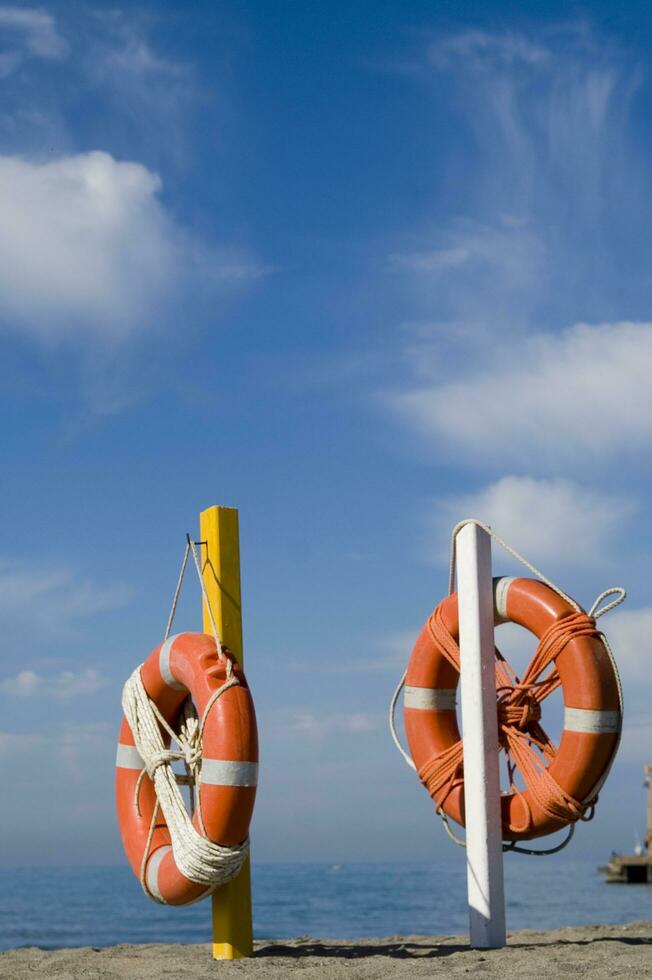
[(484, 856)]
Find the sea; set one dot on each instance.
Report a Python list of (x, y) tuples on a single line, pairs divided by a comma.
[(104, 906)]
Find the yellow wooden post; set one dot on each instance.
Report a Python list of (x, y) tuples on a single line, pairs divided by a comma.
[(218, 528)]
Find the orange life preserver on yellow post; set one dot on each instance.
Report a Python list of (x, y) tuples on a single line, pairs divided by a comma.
[(188, 664), (561, 784)]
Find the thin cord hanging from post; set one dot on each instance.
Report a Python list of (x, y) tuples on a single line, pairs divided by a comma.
[(191, 549)]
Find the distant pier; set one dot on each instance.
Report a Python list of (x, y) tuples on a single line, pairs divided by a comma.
[(634, 869)]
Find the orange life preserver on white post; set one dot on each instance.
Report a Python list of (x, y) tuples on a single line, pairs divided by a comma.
[(561, 783), (183, 665)]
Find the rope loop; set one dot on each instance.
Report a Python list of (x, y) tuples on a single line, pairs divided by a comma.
[(595, 611), (510, 845)]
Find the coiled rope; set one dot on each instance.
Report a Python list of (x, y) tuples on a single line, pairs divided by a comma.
[(197, 858), (519, 711)]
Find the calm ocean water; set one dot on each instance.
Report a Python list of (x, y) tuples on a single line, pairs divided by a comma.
[(103, 906)]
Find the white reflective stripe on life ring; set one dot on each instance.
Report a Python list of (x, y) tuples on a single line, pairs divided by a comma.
[(221, 772), (591, 721), (501, 588), (128, 757), (429, 698), (153, 866), (164, 664)]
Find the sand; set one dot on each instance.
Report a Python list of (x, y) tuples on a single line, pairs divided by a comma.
[(592, 951)]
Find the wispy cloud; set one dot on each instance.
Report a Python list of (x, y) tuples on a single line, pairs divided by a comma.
[(135, 57), (148, 91), (124, 55), (629, 631), (67, 753), (81, 744), (556, 521), (65, 685), (556, 102), (15, 743), (555, 401), (28, 32), (385, 652), (393, 651), (46, 600), (554, 196), (320, 725), (482, 50), (510, 248)]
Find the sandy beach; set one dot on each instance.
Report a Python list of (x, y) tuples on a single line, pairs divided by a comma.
[(592, 951)]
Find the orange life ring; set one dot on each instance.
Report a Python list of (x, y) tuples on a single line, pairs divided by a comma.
[(188, 664), (564, 782)]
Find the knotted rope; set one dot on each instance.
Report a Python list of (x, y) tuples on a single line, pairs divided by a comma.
[(519, 708), (519, 731), (197, 858)]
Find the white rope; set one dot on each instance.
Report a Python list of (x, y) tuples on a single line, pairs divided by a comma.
[(511, 551), (196, 857), (216, 635), (595, 610), (392, 722), (177, 591), (219, 643)]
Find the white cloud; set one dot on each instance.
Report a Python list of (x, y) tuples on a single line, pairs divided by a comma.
[(482, 50), (85, 245), (123, 55), (636, 738), (35, 29), (397, 647), (545, 101), (553, 188), (64, 685), (313, 725), (135, 57), (81, 744), (14, 743), (394, 649), (69, 753), (559, 399), (509, 247), (629, 632), (386, 652), (87, 250), (47, 600), (152, 95), (436, 260), (554, 521), (479, 278)]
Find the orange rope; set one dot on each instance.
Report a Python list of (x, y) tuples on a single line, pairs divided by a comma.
[(519, 713)]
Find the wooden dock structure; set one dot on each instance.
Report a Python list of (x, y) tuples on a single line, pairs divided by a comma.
[(629, 869)]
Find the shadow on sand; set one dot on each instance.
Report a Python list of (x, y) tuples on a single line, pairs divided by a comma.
[(349, 951), (410, 950)]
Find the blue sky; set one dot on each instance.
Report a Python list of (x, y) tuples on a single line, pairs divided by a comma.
[(360, 270)]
